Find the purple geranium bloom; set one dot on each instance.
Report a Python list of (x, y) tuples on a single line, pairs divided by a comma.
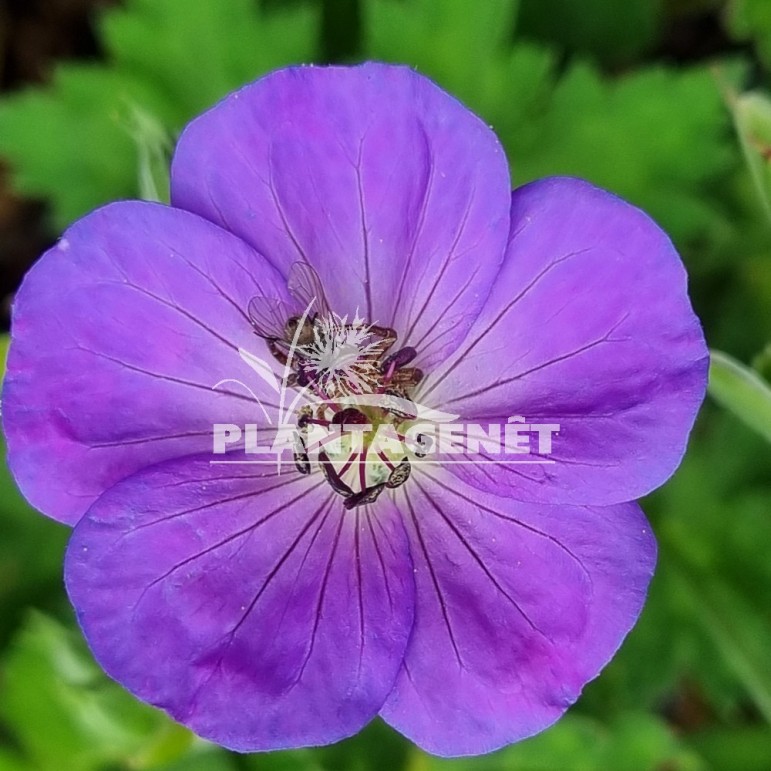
[(270, 607)]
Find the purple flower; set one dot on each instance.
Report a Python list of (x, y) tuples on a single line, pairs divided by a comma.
[(466, 602)]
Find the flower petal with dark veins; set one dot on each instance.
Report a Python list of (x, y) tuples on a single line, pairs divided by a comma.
[(589, 328), (120, 333), (248, 604), (389, 187), (518, 605)]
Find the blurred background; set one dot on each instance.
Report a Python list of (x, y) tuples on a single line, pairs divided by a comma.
[(665, 102)]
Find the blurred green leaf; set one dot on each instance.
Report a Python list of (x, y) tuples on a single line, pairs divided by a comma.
[(747, 748), (11, 762), (72, 143), (738, 630), (612, 32), (656, 136), (752, 19), (31, 547), (168, 59), (356, 753), (465, 51), (712, 588), (633, 742), (741, 391), (196, 52), (31, 550), (154, 148), (752, 117), (762, 363), (712, 515), (64, 711), (210, 758), (470, 54), (290, 760)]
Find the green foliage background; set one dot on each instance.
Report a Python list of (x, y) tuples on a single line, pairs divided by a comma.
[(572, 87)]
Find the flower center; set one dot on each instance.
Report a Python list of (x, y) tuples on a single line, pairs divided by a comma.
[(359, 385)]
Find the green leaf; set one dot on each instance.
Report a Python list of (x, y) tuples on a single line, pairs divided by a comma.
[(154, 148), (762, 363), (290, 760), (195, 52), (75, 142), (746, 748), (31, 546), (31, 550), (632, 742), (464, 46), (355, 754), (212, 759), (740, 633), (470, 54), (752, 19), (656, 136), (741, 391), (611, 31), (64, 711), (12, 762), (712, 586), (752, 117)]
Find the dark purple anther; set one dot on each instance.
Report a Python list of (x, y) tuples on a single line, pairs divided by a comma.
[(349, 416), (398, 359), (368, 495), (400, 474)]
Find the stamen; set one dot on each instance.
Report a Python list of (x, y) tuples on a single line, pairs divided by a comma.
[(370, 495), (400, 474)]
